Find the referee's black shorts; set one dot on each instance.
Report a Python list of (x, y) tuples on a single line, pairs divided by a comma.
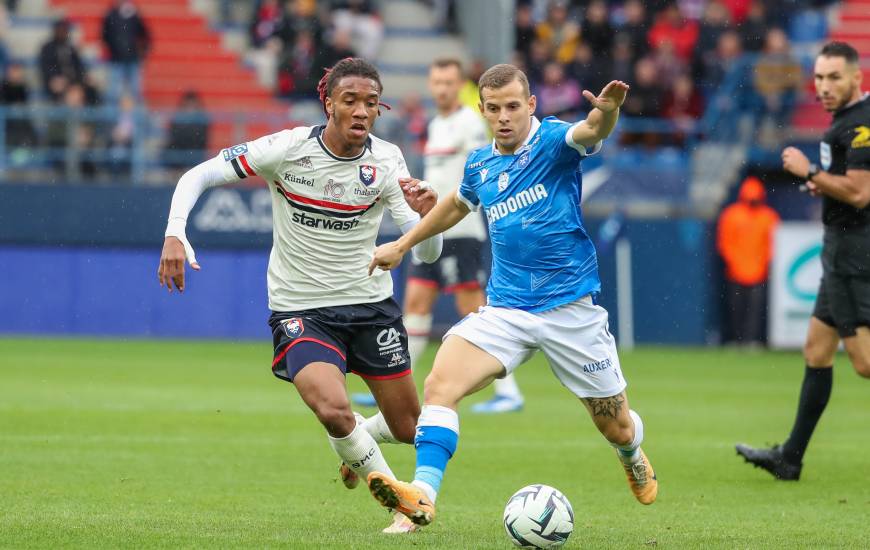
[(844, 295)]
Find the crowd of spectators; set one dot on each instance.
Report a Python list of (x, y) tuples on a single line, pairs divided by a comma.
[(303, 36), (88, 123), (83, 128), (674, 55)]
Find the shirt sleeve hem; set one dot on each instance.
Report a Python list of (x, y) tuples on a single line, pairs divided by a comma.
[(584, 151), (470, 205)]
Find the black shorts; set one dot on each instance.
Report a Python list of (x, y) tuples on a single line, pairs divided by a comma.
[(459, 267), (843, 303), (844, 295), (366, 339)]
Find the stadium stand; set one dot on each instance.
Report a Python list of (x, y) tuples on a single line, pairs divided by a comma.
[(696, 112), (186, 56), (851, 23)]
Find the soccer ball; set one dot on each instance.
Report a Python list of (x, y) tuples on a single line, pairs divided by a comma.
[(538, 516)]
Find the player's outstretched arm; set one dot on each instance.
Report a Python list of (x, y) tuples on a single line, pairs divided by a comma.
[(176, 247), (602, 118), (445, 215)]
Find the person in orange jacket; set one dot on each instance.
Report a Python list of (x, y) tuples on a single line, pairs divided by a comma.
[(744, 238)]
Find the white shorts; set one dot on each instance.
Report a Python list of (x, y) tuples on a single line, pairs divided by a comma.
[(574, 337)]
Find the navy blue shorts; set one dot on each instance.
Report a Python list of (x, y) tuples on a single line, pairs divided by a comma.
[(459, 267), (366, 339)]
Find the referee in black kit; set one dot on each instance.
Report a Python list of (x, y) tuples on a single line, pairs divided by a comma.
[(842, 307)]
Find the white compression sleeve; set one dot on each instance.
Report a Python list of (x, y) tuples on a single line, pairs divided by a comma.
[(427, 251), (190, 186)]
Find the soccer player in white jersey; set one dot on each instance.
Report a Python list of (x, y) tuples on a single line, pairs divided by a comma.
[(330, 185), (541, 293), (452, 134)]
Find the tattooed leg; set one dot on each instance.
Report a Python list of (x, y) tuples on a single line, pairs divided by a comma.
[(611, 417), (624, 429), (607, 407)]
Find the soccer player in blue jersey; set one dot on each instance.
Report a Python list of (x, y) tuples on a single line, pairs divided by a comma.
[(542, 292)]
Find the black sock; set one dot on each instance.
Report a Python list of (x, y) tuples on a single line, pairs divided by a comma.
[(815, 392)]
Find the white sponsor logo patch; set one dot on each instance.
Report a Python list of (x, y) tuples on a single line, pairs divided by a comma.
[(517, 201), (389, 342)]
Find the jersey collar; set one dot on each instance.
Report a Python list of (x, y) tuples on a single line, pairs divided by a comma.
[(848, 107), (317, 132), (532, 130)]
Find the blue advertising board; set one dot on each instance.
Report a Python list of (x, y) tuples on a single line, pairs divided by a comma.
[(84, 261)]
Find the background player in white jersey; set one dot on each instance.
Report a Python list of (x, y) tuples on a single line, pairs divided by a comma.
[(541, 293), (455, 132), (330, 185)]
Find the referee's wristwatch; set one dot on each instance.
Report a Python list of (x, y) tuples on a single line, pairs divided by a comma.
[(813, 171)]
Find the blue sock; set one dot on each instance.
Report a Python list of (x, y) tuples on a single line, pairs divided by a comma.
[(436, 441)]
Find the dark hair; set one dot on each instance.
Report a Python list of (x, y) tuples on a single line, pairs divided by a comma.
[(840, 49), (444, 62), (499, 76), (349, 66)]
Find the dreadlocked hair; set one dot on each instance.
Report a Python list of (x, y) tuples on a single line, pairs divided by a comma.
[(349, 66)]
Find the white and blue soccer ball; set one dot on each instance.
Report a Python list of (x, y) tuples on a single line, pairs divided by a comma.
[(538, 516)]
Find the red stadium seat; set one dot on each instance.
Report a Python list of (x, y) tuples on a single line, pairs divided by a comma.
[(187, 55)]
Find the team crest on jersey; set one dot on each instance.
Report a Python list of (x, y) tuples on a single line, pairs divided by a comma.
[(524, 160), (235, 151), (503, 179), (293, 327), (367, 174)]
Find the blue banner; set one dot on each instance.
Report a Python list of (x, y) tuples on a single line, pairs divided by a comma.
[(84, 261), (224, 217)]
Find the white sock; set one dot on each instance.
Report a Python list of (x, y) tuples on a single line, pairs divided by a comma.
[(361, 453), (418, 327), (629, 453), (428, 489), (377, 427), (507, 387)]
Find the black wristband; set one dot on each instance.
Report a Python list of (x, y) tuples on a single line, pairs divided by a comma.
[(813, 171)]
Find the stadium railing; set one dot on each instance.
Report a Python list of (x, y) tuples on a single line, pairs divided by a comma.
[(54, 144), (58, 144)]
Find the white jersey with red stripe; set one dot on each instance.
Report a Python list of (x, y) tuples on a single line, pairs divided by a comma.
[(450, 139), (326, 212)]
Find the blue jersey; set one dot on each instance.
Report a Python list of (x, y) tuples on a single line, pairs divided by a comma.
[(542, 257)]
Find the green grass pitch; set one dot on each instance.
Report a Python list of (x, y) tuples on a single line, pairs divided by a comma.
[(195, 444)]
